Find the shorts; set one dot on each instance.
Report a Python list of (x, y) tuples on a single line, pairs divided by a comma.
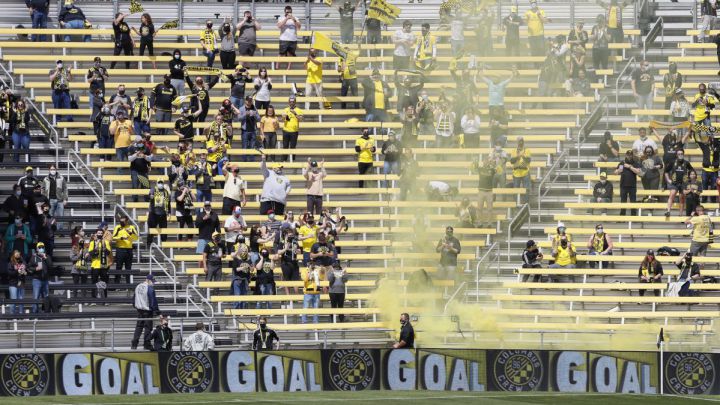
[(698, 248), (676, 187), (201, 246), (290, 271), (288, 47)]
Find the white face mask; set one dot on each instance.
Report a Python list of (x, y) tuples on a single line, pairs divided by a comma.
[(160, 186), (53, 172)]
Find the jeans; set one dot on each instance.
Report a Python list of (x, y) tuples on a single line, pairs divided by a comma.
[(239, 287), (707, 24), (203, 195), (265, 289), (17, 293), (346, 33), (289, 142), (349, 86), (237, 102), (39, 20), (121, 153), (644, 101), (141, 127), (20, 141), (57, 208), (314, 204), (76, 24), (41, 289), (162, 116), (708, 183), (249, 141), (179, 85), (600, 58), (105, 142), (628, 194), (311, 301), (523, 182), (390, 168), (227, 59), (210, 57), (61, 99)]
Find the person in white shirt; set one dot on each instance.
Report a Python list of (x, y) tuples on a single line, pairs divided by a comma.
[(234, 226), (404, 41), (200, 341), (470, 124), (643, 142), (234, 190), (289, 26)]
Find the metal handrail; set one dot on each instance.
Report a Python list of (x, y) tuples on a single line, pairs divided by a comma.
[(555, 166), (462, 286), (484, 258), (119, 209), (75, 162), (657, 28), (590, 121), (617, 83), (54, 139), (203, 300), (524, 209), (9, 75), (173, 276)]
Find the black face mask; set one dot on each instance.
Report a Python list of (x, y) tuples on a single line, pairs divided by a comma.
[(167, 82), (121, 92), (263, 326), (563, 243)]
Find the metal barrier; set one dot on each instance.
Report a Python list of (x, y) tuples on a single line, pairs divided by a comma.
[(552, 171), (199, 307), (154, 260), (589, 123), (75, 162), (657, 28), (485, 261), (617, 83), (517, 222)]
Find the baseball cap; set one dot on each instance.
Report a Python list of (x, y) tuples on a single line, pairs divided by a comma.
[(29, 169), (216, 233), (530, 243), (150, 277), (603, 175), (207, 203), (314, 163), (650, 252), (276, 166), (40, 244)]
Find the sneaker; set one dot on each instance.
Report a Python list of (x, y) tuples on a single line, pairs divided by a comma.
[(667, 214)]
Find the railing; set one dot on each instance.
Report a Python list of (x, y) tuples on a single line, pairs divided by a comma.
[(153, 260), (453, 297), (641, 7), (516, 223), (562, 162), (46, 127), (9, 76), (117, 212), (657, 28), (617, 83), (199, 307), (484, 263), (589, 124), (75, 162)]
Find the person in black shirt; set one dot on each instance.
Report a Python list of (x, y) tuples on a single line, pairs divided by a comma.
[(264, 336), (689, 273), (676, 176), (391, 150), (39, 15), (184, 199), (207, 222), (237, 85), (177, 72), (512, 23), (213, 255), (161, 338), (449, 248), (602, 191), (628, 171), (161, 101), (609, 149), (289, 250), (97, 75), (200, 104), (531, 258), (147, 36), (184, 125), (15, 204), (139, 166), (35, 204), (407, 333), (650, 271), (346, 22), (123, 41)]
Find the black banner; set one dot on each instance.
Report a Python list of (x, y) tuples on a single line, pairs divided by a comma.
[(145, 373)]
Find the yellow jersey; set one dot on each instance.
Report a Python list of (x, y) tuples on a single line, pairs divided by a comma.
[(535, 24), (613, 16), (269, 124), (379, 95), (701, 228), (292, 124), (214, 157), (100, 254), (565, 256), (314, 72), (349, 72), (701, 110), (121, 131), (521, 165), (311, 285), (124, 236), (365, 155), (209, 39), (306, 231)]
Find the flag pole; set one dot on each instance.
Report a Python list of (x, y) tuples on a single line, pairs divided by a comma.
[(661, 346)]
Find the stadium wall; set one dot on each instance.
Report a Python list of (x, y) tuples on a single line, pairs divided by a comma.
[(356, 370)]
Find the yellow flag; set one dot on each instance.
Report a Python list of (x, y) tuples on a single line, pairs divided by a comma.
[(322, 42), (170, 25), (383, 11), (136, 7), (328, 2)]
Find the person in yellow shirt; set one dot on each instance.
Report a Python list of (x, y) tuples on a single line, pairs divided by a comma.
[(348, 80), (269, 125), (365, 149), (521, 168), (123, 236), (307, 235), (535, 19), (208, 40), (311, 289), (122, 131), (565, 255), (614, 17), (701, 233), (426, 50), (101, 258), (702, 104), (291, 118), (313, 82), (216, 148)]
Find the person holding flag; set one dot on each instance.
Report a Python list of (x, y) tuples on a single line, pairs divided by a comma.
[(313, 82)]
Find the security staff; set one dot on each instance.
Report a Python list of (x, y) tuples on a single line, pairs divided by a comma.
[(407, 333), (264, 336)]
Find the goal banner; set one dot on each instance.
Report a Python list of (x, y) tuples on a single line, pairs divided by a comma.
[(142, 373)]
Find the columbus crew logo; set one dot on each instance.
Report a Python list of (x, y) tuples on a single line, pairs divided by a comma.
[(190, 372), (518, 370), (352, 370), (25, 375), (689, 373)]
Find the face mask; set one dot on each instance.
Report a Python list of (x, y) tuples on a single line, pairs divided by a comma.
[(60, 65), (208, 210), (263, 326), (563, 243), (106, 111), (209, 25), (121, 92), (680, 158), (449, 233), (599, 231), (177, 56), (167, 82), (18, 222), (41, 251), (98, 236), (123, 223), (17, 194), (402, 322), (161, 186), (265, 254)]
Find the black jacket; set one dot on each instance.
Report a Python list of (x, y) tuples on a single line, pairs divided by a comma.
[(161, 339)]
